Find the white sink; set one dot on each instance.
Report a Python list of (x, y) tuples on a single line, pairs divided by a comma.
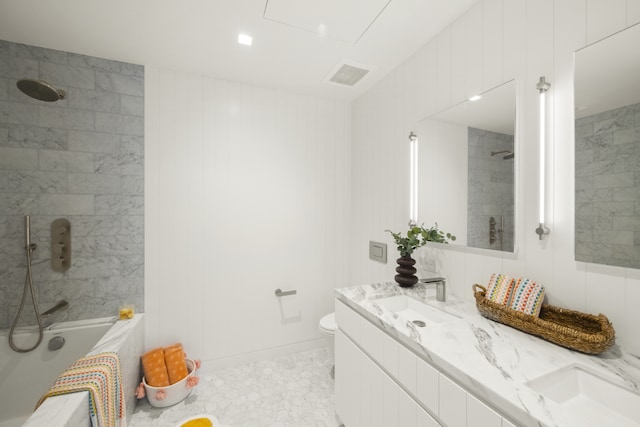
[(590, 397), (412, 310)]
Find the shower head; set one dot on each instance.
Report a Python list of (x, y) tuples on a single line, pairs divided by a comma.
[(508, 156), (40, 90)]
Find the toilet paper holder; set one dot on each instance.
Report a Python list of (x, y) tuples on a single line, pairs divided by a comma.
[(281, 293)]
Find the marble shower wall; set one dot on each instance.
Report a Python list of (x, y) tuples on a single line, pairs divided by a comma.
[(81, 158), (490, 189), (607, 187)]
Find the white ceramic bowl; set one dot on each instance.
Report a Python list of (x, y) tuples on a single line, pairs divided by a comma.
[(172, 394)]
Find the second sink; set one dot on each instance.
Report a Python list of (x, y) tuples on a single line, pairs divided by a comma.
[(595, 400)]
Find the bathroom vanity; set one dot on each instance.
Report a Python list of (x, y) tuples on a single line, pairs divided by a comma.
[(404, 359)]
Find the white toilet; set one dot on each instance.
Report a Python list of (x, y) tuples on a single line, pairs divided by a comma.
[(328, 329)]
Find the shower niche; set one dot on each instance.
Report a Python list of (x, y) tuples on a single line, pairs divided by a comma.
[(60, 245), (467, 169)]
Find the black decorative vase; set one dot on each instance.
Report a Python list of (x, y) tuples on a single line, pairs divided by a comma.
[(406, 272)]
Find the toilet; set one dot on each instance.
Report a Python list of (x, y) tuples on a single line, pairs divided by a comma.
[(328, 329)]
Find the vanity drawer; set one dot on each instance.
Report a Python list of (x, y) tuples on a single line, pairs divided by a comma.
[(368, 336), (453, 403), (427, 386), (480, 415)]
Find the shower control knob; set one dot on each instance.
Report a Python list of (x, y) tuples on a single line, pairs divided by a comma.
[(60, 245)]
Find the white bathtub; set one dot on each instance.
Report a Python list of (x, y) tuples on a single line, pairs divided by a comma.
[(24, 377)]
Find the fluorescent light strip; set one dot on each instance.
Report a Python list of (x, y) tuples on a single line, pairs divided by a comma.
[(413, 184), (542, 143), (542, 87)]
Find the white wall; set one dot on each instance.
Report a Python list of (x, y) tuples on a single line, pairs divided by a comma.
[(247, 190), (497, 40)]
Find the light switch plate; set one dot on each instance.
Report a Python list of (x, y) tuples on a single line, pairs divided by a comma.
[(378, 251)]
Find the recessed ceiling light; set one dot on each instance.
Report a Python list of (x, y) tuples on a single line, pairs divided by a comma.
[(245, 39), (475, 98)]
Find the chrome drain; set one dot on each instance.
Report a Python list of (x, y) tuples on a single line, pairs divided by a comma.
[(419, 323), (56, 343)]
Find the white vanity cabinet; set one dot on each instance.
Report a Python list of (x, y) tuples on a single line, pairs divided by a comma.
[(380, 382), (367, 397)]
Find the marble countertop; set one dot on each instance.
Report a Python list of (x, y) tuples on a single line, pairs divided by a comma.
[(493, 361)]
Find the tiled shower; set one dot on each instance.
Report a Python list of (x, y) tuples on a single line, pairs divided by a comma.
[(80, 158), (490, 189)]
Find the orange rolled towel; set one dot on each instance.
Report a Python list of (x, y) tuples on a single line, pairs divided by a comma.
[(176, 363), (155, 369)]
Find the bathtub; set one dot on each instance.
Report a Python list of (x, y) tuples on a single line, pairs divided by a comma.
[(24, 377)]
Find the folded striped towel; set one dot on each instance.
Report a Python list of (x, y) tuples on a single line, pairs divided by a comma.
[(500, 288), (527, 297), (99, 375)]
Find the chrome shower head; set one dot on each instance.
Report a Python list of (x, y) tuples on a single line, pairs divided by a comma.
[(40, 90)]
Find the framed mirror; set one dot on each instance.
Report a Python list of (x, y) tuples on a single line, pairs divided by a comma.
[(467, 170), (607, 150)]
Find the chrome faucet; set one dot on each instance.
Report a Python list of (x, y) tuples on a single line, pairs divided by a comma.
[(441, 290)]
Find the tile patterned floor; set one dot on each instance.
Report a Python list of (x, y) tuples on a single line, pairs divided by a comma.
[(292, 391)]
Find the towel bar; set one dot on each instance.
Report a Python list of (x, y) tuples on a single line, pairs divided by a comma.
[(281, 293)]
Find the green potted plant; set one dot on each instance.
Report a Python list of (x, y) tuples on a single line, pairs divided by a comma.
[(416, 237)]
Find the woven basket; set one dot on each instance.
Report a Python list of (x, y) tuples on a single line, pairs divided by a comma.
[(572, 329)]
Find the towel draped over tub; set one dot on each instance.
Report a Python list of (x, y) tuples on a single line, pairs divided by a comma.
[(99, 375)]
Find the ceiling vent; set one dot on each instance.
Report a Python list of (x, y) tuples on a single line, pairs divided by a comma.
[(348, 74)]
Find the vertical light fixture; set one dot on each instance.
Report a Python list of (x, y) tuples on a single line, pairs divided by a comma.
[(542, 87), (413, 177)]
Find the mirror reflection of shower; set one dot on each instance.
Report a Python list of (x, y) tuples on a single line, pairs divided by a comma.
[(507, 156), (495, 232)]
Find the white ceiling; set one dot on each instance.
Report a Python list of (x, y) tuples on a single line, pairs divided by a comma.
[(200, 36)]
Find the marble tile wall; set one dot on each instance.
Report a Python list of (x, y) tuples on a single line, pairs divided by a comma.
[(80, 158), (608, 187), (490, 189)]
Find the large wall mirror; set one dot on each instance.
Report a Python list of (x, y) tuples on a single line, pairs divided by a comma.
[(467, 170), (607, 157)]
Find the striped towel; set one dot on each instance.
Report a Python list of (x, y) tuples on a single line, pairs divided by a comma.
[(500, 288), (100, 376), (527, 297)]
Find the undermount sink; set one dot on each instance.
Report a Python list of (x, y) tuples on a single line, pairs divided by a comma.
[(594, 399), (414, 311)]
